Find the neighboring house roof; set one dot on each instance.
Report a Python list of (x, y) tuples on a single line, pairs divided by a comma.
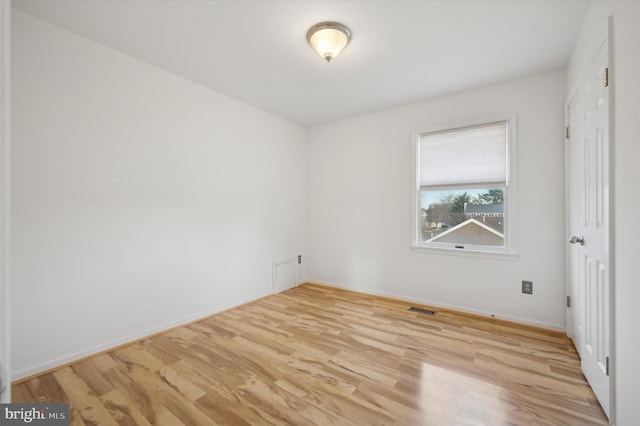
[(470, 232), (484, 209)]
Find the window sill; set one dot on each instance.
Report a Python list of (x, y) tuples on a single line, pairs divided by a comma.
[(496, 255)]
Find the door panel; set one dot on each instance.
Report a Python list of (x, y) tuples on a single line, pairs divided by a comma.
[(588, 217)]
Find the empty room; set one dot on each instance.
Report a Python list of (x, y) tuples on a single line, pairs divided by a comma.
[(249, 212)]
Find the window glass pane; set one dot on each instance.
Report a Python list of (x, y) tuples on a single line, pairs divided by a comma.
[(471, 216)]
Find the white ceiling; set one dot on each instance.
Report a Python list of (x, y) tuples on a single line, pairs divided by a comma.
[(401, 51)]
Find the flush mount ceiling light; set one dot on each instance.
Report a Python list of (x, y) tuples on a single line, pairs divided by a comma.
[(328, 38)]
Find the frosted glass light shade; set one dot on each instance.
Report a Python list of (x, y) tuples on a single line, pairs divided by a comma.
[(328, 39)]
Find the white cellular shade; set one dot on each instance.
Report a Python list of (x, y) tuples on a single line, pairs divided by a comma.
[(470, 155)]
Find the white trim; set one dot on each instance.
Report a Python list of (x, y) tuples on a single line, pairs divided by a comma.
[(93, 350), (5, 312), (477, 252), (510, 248), (436, 304), (613, 371), (567, 266)]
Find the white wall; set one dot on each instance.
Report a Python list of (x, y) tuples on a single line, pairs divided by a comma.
[(625, 80), (141, 200), (359, 206), (5, 353)]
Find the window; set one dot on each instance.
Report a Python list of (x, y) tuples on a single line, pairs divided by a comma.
[(463, 188)]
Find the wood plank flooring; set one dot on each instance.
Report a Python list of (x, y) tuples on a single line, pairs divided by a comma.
[(320, 356)]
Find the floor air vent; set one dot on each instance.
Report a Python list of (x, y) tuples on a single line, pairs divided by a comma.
[(423, 311)]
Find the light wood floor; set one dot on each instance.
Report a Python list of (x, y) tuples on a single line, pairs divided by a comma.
[(319, 356)]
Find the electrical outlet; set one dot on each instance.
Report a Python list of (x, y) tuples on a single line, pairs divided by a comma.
[(299, 259), (527, 287)]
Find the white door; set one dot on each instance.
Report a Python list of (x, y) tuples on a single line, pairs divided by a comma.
[(588, 221)]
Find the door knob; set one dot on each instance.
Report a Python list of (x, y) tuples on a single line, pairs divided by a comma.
[(577, 240)]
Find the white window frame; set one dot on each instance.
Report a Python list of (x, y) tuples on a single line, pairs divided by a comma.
[(510, 195)]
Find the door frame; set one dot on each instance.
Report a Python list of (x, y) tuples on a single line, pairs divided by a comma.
[(612, 258), (570, 326), (605, 37)]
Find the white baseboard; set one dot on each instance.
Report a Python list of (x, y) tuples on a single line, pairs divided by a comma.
[(66, 359), (434, 303), (69, 358)]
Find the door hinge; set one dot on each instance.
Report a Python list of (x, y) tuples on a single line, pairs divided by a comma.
[(568, 301), (605, 78), (607, 365), (566, 132)]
